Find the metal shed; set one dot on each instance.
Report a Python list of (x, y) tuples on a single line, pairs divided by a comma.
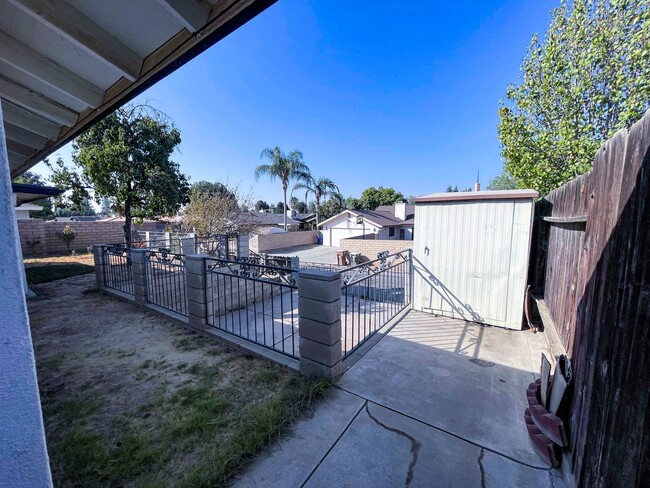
[(470, 255)]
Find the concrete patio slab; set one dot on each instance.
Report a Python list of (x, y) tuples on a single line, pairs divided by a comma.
[(384, 448), (465, 379), (291, 461), (311, 253)]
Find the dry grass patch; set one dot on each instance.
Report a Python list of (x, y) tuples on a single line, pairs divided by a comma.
[(130, 399), (52, 268)]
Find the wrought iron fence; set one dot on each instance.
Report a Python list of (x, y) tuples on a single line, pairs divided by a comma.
[(166, 285), (117, 268), (372, 294), (270, 260), (219, 246), (322, 266), (254, 301)]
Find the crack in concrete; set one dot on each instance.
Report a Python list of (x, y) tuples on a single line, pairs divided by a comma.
[(480, 466), (415, 445)]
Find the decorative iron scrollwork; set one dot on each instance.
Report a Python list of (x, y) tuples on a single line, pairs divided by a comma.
[(248, 268), (164, 256)]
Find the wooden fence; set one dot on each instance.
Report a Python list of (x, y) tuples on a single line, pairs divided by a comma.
[(591, 268)]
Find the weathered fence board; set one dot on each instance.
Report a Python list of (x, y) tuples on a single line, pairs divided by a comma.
[(595, 280)]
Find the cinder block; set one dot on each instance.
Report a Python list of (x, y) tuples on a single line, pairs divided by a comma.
[(327, 334), (327, 355), (196, 308), (325, 291), (196, 295), (195, 264), (195, 280), (313, 369), (139, 278), (325, 312)]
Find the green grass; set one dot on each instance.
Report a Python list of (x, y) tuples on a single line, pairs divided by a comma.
[(197, 435), (52, 272)]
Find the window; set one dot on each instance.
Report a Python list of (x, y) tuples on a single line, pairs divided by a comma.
[(402, 234), (391, 232)]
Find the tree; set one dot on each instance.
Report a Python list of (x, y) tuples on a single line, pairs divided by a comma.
[(67, 235), (213, 189), (212, 213), (319, 187), (372, 197), (31, 178), (285, 167), (504, 181), (353, 203), (588, 78), (261, 205), (279, 208), (107, 206), (451, 190), (126, 156)]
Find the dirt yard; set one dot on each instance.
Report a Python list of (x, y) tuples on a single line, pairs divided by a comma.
[(132, 399)]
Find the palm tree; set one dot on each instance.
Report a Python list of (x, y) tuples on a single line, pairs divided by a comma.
[(320, 188), (286, 167)]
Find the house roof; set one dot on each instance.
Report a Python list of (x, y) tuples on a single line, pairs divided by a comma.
[(477, 195), (79, 218), (65, 64), (382, 216), (263, 218), (29, 207), (26, 192)]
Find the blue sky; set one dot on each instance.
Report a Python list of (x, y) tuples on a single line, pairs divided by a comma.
[(391, 93)]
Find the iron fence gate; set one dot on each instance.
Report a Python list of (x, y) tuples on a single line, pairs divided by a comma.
[(222, 246), (372, 294), (117, 268), (166, 285), (254, 301)]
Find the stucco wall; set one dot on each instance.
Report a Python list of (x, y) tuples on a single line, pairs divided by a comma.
[(23, 455), (263, 243), (46, 240), (370, 248)]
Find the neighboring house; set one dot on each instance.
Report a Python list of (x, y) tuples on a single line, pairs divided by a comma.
[(391, 222), (22, 211), (79, 218), (295, 221)]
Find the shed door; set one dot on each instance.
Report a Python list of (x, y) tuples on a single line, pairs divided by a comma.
[(471, 259)]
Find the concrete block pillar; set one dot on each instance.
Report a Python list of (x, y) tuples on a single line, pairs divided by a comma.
[(319, 309), (98, 258), (243, 245), (295, 266), (188, 245), (139, 274), (198, 290)]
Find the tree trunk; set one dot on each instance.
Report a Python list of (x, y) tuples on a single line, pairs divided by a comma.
[(127, 224), (284, 190), (317, 212)]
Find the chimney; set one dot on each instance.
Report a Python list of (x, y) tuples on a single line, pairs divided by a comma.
[(400, 210), (477, 185)]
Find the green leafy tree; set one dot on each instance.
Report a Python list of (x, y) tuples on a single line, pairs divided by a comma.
[(67, 235), (261, 205), (213, 189), (107, 207), (588, 78), (285, 167), (126, 157), (372, 197), (279, 208), (451, 190), (319, 188), (31, 178), (504, 181), (353, 203)]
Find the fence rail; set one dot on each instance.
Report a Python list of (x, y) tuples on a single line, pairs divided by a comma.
[(372, 294), (117, 269), (166, 285), (256, 302)]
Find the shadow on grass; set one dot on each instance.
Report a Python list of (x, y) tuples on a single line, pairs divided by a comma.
[(52, 272)]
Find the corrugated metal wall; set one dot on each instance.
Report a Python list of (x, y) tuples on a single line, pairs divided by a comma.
[(471, 259)]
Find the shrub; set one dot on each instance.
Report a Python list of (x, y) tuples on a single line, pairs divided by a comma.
[(67, 235)]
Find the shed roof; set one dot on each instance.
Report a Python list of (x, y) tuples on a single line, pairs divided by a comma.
[(477, 195)]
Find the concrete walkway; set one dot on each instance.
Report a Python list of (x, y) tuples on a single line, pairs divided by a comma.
[(437, 402), (312, 253)]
